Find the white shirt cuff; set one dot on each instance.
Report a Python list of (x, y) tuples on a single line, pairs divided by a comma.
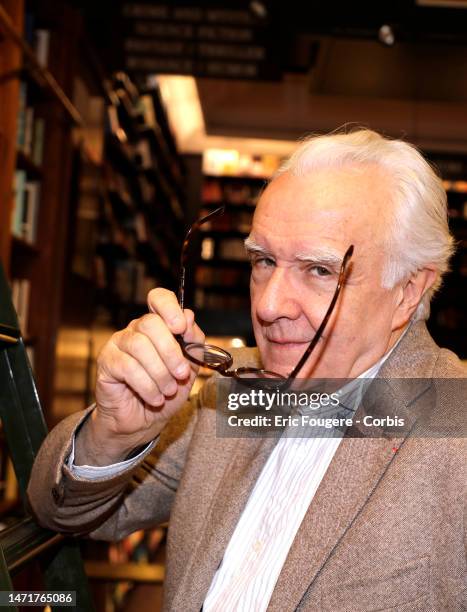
[(92, 472)]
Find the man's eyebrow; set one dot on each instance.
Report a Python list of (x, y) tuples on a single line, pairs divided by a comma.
[(319, 255), (252, 247)]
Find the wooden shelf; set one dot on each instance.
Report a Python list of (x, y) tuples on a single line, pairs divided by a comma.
[(43, 266), (43, 76), (147, 199)]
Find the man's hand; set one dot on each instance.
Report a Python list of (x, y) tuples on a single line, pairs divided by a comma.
[(143, 379)]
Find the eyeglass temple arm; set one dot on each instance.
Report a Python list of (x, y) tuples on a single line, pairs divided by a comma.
[(324, 322), (184, 255)]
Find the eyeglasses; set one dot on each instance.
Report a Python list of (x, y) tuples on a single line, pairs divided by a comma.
[(216, 358)]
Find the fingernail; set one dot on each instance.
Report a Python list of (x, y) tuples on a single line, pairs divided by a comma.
[(170, 389), (182, 370)]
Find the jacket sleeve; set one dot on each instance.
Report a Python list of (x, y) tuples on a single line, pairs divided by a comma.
[(109, 508)]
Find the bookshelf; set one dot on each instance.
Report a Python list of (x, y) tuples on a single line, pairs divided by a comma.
[(220, 279), (142, 220), (37, 117)]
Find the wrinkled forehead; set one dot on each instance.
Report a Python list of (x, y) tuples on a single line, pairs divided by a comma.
[(330, 206), (349, 193), (360, 188)]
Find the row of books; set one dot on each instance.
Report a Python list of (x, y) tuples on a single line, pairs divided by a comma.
[(231, 192), (153, 188), (227, 248), (30, 128), (20, 292), (133, 114), (26, 208), (131, 282), (223, 277), (140, 189), (231, 219), (215, 301)]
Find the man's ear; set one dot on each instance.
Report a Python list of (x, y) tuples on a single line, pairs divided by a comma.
[(411, 292)]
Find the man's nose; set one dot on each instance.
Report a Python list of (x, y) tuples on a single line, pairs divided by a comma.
[(276, 297)]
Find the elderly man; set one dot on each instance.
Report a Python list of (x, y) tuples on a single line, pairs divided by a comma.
[(296, 524)]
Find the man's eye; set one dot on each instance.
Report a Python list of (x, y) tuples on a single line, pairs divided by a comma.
[(320, 271), (263, 262)]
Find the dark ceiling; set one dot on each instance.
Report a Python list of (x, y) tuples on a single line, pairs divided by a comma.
[(287, 21), (330, 68)]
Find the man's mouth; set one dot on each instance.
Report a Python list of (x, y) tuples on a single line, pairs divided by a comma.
[(287, 343)]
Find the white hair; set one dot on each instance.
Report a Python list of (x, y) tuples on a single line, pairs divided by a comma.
[(418, 233)]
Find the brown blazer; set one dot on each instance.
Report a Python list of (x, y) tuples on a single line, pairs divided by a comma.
[(385, 530)]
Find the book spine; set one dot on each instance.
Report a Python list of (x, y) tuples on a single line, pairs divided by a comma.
[(38, 141), (42, 47), (28, 130), (18, 212), (20, 135), (30, 213), (20, 290)]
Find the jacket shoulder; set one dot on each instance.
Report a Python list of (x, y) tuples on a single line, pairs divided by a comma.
[(448, 365)]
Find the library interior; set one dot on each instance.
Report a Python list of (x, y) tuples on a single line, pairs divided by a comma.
[(122, 123)]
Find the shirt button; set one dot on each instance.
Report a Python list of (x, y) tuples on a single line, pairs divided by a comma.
[(257, 546)]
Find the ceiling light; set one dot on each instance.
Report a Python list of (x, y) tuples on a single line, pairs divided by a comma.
[(259, 9), (386, 35)]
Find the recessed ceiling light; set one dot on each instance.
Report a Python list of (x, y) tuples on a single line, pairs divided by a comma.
[(386, 35)]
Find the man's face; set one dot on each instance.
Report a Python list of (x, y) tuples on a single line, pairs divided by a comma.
[(303, 226)]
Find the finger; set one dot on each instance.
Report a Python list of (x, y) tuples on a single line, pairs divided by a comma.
[(193, 332), (123, 367), (139, 346), (164, 303), (165, 346)]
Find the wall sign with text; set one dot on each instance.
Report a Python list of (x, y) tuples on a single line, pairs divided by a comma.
[(200, 41)]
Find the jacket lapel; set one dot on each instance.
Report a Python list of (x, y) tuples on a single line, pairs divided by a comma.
[(354, 473), (238, 479)]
